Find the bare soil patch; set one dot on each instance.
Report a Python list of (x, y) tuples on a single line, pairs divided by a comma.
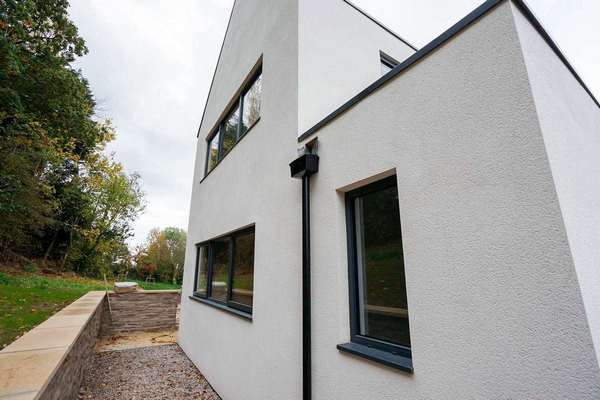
[(135, 340)]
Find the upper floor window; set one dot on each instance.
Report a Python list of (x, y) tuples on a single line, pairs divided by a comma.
[(225, 271), (379, 327), (243, 115), (387, 63)]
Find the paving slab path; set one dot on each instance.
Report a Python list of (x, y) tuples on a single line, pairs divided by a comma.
[(148, 373)]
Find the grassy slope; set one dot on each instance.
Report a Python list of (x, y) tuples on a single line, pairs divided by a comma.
[(27, 300)]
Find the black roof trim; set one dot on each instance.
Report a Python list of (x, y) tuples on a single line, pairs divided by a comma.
[(385, 28), (216, 67), (433, 45)]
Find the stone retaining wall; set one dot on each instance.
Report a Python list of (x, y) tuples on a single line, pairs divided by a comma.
[(145, 311), (49, 361), (66, 381)]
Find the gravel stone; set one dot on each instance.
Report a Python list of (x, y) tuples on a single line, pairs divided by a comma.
[(148, 373)]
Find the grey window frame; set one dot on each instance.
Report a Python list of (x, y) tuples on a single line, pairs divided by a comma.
[(391, 354), (228, 305), (239, 102), (197, 268)]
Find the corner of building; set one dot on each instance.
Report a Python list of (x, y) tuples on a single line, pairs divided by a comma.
[(569, 119)]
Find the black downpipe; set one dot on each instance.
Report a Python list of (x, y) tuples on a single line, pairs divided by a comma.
[(303, 167), (306, 293)]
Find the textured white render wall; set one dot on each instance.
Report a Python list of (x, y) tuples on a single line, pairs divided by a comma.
[(338, 56), (570, 122), (494, 302), (256, 360)]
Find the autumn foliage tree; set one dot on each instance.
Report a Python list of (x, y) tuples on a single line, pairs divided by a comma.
[(162, 255), (62, 199)]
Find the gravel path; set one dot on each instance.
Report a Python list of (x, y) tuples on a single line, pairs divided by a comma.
[(147, 373)]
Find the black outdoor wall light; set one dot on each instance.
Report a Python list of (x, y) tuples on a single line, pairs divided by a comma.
[(305, 165)]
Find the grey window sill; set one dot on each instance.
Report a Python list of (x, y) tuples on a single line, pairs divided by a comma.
[(383, 357), (222, 307)]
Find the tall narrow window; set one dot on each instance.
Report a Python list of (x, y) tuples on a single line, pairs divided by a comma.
[(225, 272), (213, 152), (378, 300), (200, 288), (243, 269), (230, 131), (251, 103), (220, 269), (242, 116), (380, 267)]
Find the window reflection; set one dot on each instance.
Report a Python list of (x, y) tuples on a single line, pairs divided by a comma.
[(220, 268), (243, 269), (202, 274), (381, 282), (236, 123), (213, 152), (230, 131), (251, 103)]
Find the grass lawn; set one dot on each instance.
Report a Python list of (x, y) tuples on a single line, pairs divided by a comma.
[(26, 300)]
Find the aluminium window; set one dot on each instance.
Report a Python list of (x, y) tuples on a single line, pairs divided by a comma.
[(200, 286), (243, 115), (219, 272), (387, 63), (379, 326), (229, 131), (225, 271), (213, 151), (251, 101)]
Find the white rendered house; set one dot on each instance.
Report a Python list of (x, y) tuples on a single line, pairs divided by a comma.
[(451, 249)]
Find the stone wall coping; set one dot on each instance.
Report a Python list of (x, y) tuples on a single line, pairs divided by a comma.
[(178, 291), (29, 363)]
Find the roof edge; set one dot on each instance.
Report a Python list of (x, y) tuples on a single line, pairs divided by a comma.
[(216, 67), (381, 25), (528, 13), (455, 29), (406, 64)]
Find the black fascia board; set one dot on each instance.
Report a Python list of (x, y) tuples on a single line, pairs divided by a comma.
[(382, 26), (434, 45), (522, 6)]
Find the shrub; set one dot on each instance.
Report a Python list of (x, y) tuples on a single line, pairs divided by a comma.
[(4, 279), (30, 267)]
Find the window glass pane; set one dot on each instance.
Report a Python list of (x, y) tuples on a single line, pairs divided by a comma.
[(229, 131), (381, 282), (252, 100), (213, 152), (243, 270), (220, 271), (202, 273)]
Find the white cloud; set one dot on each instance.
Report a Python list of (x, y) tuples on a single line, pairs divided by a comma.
[(151, 63)]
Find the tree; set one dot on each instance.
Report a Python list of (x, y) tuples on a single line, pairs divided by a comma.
[(115, 199), (162, 255), (45, 116), (61, 197)]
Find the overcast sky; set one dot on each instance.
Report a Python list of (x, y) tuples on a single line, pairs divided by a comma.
[(151, 63)]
